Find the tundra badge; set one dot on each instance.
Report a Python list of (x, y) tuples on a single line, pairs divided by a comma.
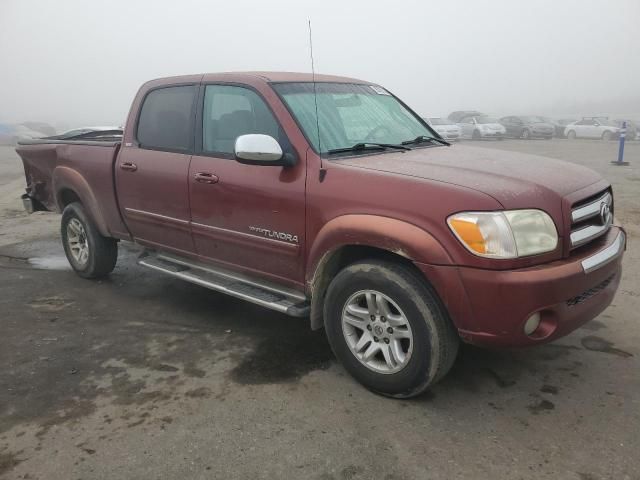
[(265, 232)]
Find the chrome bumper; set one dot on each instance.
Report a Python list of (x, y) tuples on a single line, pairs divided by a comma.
[(605, 255)]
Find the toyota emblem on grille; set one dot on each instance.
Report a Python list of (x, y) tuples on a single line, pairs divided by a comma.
[(605, 213)]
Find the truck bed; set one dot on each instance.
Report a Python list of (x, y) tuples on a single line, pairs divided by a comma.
[(59, 172)]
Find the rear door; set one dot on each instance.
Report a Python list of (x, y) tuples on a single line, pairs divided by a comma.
[(151, 171), (247, 217)]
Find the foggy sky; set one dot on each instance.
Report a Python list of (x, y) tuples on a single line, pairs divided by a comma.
[(80, 62)]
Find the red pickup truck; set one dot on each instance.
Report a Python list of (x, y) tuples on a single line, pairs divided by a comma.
[(329, 198)]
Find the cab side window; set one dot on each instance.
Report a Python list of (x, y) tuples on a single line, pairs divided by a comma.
[(231, 111), (166, 118)]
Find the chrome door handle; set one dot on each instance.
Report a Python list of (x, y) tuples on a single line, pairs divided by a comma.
[(204, 177), (131, 167)]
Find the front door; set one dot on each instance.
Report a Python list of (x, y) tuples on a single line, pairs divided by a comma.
[(151, 172), (246, 217)]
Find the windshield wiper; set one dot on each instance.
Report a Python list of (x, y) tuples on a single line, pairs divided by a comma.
[(369, 146), (425, 139)]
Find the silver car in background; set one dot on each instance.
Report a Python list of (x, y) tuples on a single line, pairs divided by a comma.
[(481, 127), (592, 127), (445, 128)]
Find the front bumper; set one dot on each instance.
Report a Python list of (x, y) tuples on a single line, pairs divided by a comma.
[(451, 136), (491, 134), (490, 307)]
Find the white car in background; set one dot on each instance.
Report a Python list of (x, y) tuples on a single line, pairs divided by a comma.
[(445, 128), (481, 127), (592, 127)]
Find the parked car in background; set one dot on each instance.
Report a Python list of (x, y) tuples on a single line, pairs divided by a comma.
[(592, 127), (527, 127), (445, 128), (481, 127), (560, 126), (632, 128), (455, 117)]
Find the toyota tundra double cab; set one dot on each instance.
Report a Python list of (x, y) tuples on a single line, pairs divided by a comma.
[(328, 198)]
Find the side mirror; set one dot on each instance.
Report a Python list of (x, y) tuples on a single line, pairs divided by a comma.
[(258, 149)]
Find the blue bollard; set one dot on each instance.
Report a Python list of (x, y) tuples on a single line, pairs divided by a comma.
[(623, 134)]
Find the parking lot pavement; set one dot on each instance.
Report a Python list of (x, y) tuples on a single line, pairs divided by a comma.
[(143, 376)]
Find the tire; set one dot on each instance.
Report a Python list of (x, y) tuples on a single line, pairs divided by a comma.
[(526, 134), (571, 135), (606, 135), (89, 253), (427, 339), (476, 135)]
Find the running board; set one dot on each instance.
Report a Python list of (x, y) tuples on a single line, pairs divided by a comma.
[(237, 285)]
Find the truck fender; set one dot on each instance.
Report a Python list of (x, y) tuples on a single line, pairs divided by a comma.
[(65, 178), (383, 233)]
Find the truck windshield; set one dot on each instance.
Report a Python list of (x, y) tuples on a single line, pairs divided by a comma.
[(350, 114)]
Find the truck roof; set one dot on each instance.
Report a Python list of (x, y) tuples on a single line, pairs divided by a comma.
[(250, 77)]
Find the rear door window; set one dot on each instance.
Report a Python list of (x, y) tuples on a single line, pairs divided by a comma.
[(166, 119)]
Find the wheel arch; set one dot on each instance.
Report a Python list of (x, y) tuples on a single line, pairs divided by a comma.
[(70, 186), (351, 238)]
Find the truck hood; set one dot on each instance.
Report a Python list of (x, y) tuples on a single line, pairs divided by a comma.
[(513, 179)]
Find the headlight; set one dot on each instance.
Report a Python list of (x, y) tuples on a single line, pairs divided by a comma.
[(507, 234)]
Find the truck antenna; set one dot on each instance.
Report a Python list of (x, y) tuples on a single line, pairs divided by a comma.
[(315, 96)]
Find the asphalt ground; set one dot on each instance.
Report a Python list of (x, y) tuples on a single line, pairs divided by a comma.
[(143, 376)]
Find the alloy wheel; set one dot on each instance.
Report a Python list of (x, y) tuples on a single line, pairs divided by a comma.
[(377, 331), (77, 241)]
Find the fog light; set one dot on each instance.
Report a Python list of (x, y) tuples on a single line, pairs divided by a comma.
[(532, 324)]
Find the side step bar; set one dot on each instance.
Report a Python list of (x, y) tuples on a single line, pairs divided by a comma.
[(237, 285)]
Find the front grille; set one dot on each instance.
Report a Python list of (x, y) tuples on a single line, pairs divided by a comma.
[(587, 294), (591, 218)]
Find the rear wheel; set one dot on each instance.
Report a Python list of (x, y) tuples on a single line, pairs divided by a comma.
[(526, 134), (90, 254), (388, 328), (571, 135), (476, 135)]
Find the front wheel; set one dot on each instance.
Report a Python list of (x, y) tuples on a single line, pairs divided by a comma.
[(606, 135), (388, 328), (571, 135), (526, 134), (90, 254), (476, 135)]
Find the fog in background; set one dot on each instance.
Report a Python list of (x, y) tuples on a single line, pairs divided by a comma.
[(80, 62)]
